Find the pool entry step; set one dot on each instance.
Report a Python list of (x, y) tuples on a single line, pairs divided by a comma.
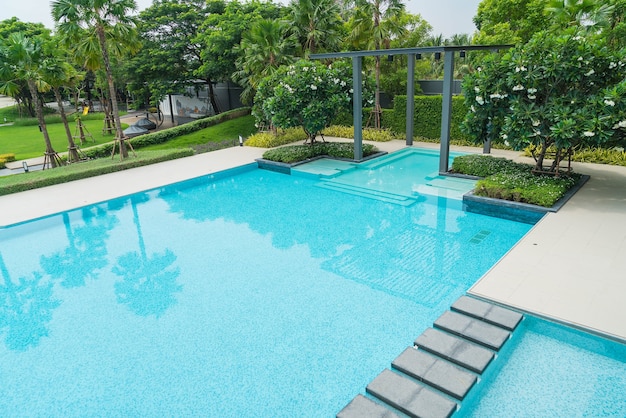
[(432, 377)]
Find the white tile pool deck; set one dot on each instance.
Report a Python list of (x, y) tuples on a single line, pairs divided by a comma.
[(570, 267)]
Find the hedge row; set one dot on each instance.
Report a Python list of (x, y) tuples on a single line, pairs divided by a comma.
[(77, 171), (167, 134), (427, 116), (5, 158)]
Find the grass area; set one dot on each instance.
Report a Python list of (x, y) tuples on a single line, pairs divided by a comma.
[(35, 179), (26, 141), (224, 132)]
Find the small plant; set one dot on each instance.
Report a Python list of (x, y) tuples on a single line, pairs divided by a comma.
[(481, 165), (271, 140), (296, 153)]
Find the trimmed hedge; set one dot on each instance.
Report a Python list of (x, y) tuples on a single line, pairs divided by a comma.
[(427, 117), (167, 134), (5, 158), (296, 153), (36, 179)]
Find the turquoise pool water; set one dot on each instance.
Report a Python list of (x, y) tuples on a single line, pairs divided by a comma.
[(248, 293), (553, 371)]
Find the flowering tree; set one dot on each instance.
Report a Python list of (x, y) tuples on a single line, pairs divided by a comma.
[(555, 91), (306, 94)]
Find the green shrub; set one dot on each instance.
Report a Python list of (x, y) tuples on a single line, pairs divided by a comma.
[(427, 117), (33, 180), (369, 134), (295, 153), (7, 157), (611, 156), (481, 165), (270, 140)]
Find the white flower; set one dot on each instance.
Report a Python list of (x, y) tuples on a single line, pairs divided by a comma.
[(609, 102), (480, 100), (495, 96), (305, 69), (590, 72), (336, 80), (504, 136), (479, 69), (506, 143), (621, 124), (313, 87), (580, 58), (532, 91), (473, 109), (518, 69), (476, 89), (589, 134), (351, 91), (519, 87), (343, 83), (536, 123), (532, 96), (612, 65)]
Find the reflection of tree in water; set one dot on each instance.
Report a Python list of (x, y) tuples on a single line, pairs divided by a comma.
[(86, 251), (327, 221), (149, 282), (25, 309)]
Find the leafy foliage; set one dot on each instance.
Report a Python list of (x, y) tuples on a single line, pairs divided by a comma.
[(427, 117), (369, 134), (508, 180), (305, 94), (281, 137), (296, 153), (557, 90)]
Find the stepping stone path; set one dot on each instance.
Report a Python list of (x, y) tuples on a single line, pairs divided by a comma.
[(432, 377)]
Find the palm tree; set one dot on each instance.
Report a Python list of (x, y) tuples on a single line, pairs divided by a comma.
[(263, 49), (316, 23), (104, 26), (22, 58), (591, 13), (62, 74), (377, 22)]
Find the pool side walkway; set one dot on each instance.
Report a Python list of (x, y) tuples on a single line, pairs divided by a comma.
[(570, 267)]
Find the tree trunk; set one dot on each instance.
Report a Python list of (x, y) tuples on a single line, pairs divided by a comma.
[(214, 104), (51, 154), (119, 135), (72, 151)]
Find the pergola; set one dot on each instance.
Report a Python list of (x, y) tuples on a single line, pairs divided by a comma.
[(412, 53)]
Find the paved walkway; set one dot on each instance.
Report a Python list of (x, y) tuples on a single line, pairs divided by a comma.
[(571, 267)]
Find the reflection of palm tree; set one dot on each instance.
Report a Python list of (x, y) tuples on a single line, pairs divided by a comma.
[(149, 283), (25, 309), (85, 253)]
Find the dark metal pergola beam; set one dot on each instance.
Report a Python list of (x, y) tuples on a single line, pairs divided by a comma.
[(446, 108)]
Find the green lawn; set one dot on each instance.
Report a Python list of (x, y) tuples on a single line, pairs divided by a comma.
[(225, 131), (27, 141)]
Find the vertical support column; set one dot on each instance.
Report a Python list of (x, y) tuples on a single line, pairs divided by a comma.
[(357, 109), (446, 110), (410, 98)]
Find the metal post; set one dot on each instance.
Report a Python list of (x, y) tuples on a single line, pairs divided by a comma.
[(410, 98), (357, 110), (446, 111)]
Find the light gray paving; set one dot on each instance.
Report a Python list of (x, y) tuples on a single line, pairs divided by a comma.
[(477, 331), (459, 351), (487, 312), (437, 373), (410, 397)]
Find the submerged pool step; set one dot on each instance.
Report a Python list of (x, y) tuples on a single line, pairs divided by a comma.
[(397, 199), (434, 376)]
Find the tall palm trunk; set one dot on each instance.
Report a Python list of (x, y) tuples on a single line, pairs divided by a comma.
[(72, 150), (51, 155), (119, 135)]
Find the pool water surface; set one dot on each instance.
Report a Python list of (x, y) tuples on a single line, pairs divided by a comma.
[(247, 293)]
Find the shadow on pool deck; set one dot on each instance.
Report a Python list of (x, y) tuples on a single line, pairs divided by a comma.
[(569, 267)]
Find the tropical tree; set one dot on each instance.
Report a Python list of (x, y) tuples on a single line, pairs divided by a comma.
[(590, 13), (557, 91), (509, 21), (99, 26), (263, 49), (24, 59), (374, 24), (317, 24)]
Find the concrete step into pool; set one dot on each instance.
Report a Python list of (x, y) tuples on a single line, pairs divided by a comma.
[(433, 377)]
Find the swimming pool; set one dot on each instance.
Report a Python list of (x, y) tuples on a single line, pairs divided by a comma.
[(247, 293)]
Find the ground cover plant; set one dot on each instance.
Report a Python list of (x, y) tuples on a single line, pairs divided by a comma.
[(295, 153), (507, 180)]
